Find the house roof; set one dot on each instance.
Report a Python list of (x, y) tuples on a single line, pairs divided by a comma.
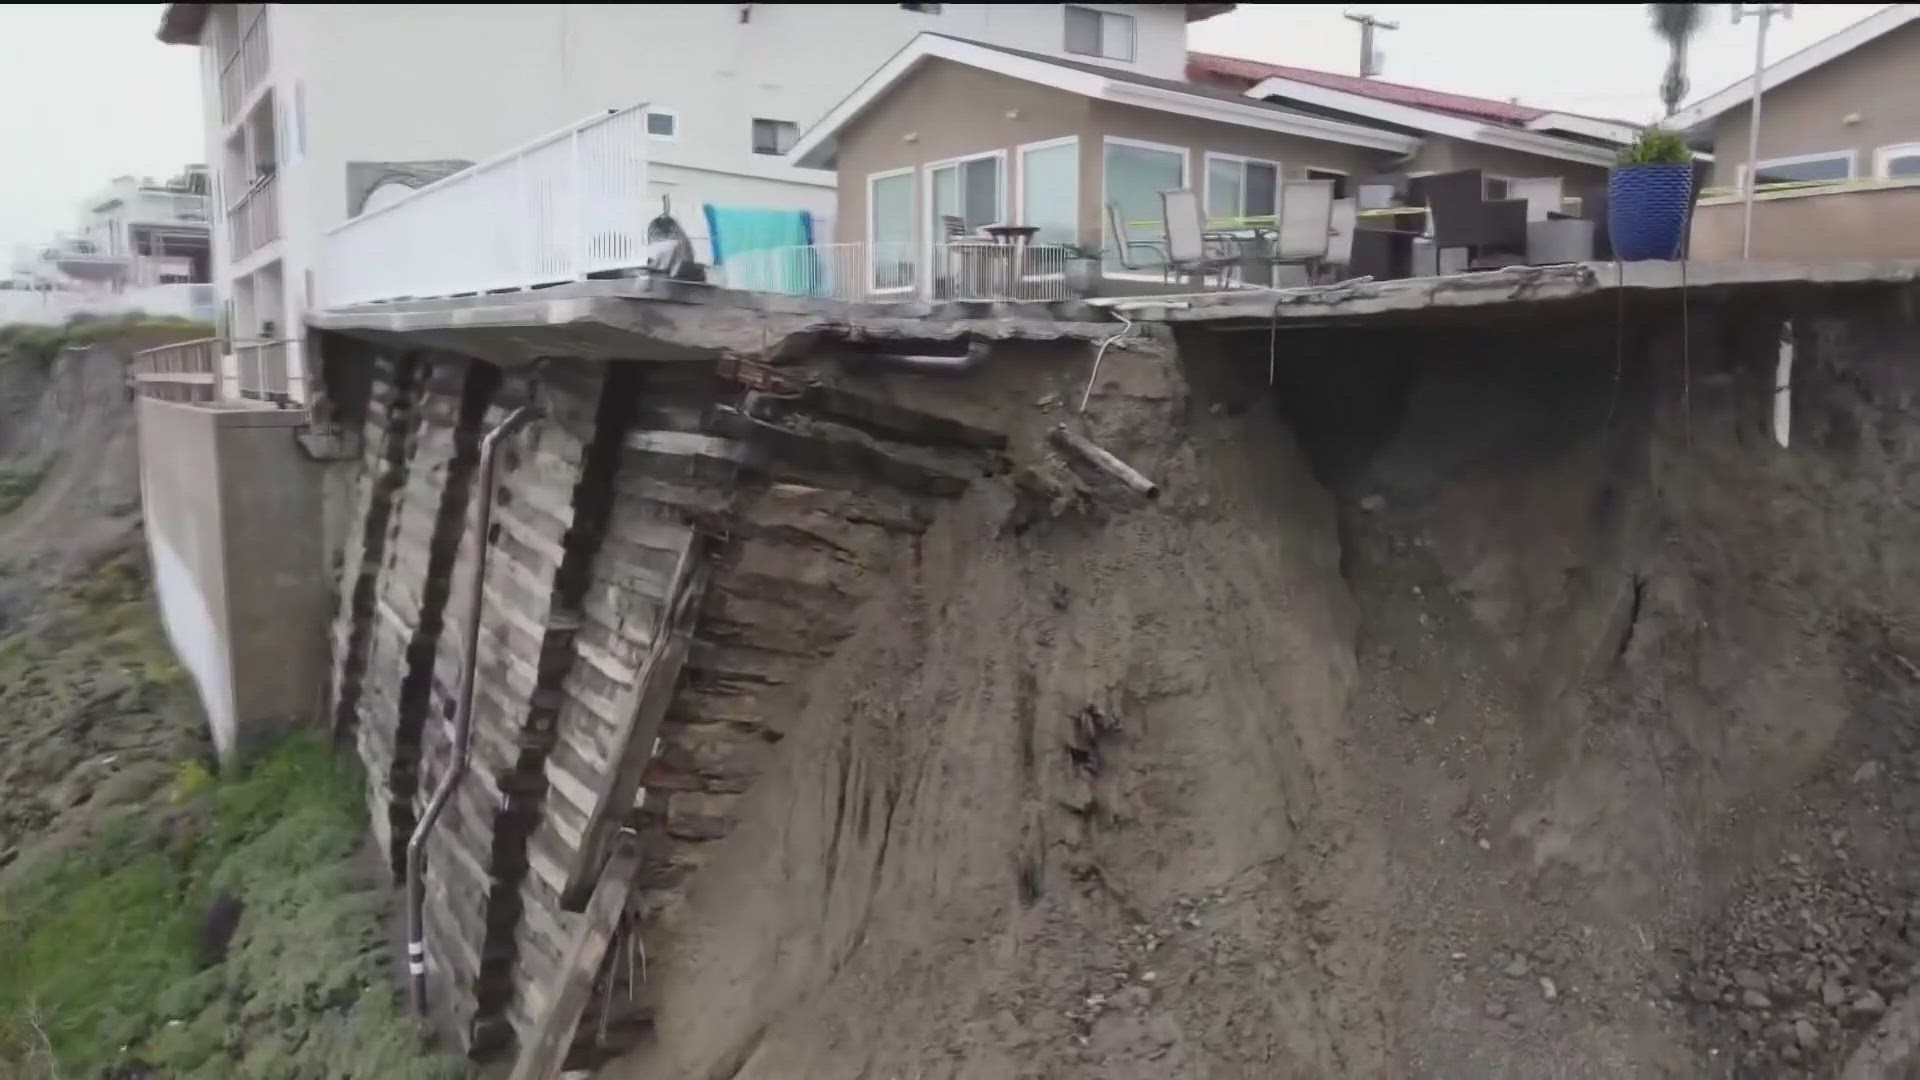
[(1201, 66), (1821, 52), (180, 24), (816, 148)]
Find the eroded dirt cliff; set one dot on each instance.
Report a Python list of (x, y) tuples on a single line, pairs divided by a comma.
[(1473, 701)]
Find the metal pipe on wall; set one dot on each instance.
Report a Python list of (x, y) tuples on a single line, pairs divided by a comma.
[(463, 712)]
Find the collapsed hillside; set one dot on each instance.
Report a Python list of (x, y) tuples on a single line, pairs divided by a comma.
[(1491, 701), (162, 918)]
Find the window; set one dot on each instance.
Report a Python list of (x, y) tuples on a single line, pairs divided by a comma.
[(1836, 165), (1099, 33), (1050, 190), (1241, 188), (1133, 176), (663, 124), (1496, 187), (1339, 180), (968, 190), (774, 136), (924, 9), (890, 230), (1901, 162), (299, 119)]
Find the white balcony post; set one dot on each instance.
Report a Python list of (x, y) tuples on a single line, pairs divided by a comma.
[(575, 186)]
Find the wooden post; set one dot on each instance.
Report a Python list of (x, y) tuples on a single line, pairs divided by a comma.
[(1062, 437), (546, 1053), (646, 702)]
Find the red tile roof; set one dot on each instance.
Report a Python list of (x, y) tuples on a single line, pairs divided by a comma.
[(1208, 67)]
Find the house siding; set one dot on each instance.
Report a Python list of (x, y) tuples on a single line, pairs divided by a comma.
[(1871, 224), (1441, 154), (947, 110), (1879, 83)]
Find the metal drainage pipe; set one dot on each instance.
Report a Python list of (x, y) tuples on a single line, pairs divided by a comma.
[(463, 713)]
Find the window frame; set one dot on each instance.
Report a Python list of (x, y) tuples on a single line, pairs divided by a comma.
[(1000, 188), (1882, 155), (1852, 158), (1020, 189), (1206, 175), (1186, 181), (872, 204), (1342, 187), (671, 114), (1101, 48), (1505, 182), (779, 126)]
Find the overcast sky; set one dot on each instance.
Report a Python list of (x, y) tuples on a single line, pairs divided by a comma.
[(91, 94)]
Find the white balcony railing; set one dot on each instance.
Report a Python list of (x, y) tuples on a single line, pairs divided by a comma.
[(886, 272), (264, 367), (254, 221), (184, 371), (557, 209)]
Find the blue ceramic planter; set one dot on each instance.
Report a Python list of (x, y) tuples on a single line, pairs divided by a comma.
[(1647, 209)]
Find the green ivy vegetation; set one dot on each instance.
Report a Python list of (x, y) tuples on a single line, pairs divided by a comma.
[(43, 344), (17, 483), (104, 963)]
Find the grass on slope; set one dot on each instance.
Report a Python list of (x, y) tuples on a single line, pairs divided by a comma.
[(138, 330), (104, 962)]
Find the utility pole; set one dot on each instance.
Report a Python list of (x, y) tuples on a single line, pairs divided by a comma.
[(1369, 57), (1766, 12)]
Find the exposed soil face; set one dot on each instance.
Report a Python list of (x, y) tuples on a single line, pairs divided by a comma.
[(1476, 702)]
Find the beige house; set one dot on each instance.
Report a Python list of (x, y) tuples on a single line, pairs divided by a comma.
[(954, 129), (1845, 111), (955, 133), (1846, 107)]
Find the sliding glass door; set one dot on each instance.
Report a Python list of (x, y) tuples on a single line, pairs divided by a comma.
[(966, 194), (1050, 190), (1133, 176), (891, 252)]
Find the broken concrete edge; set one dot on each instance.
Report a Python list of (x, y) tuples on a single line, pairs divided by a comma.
[(1516, 284), (627, 327)]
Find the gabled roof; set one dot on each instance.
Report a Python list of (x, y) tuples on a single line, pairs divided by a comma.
[(1461, 116), (1248, 73), (816, 148), (1820, 52)]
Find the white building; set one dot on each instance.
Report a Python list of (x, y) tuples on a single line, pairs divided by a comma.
[(138, 245), (295, 95)]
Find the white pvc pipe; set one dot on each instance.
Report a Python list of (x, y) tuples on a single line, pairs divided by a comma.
[(1783, 386)]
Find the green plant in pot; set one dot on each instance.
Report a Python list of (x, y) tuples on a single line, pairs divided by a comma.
[(1650, 196), (1650, 191)]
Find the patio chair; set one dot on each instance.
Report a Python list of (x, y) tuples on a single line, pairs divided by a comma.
[(1303, 232), (1343, 224), (1187, 238), (1462, 218), (1124, 245)]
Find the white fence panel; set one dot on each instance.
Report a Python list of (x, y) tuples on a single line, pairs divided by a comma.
[(557, 209)]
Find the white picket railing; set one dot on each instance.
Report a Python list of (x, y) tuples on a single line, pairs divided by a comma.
[(556, 209), (889, 272), (851, 272), (976, 271)]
